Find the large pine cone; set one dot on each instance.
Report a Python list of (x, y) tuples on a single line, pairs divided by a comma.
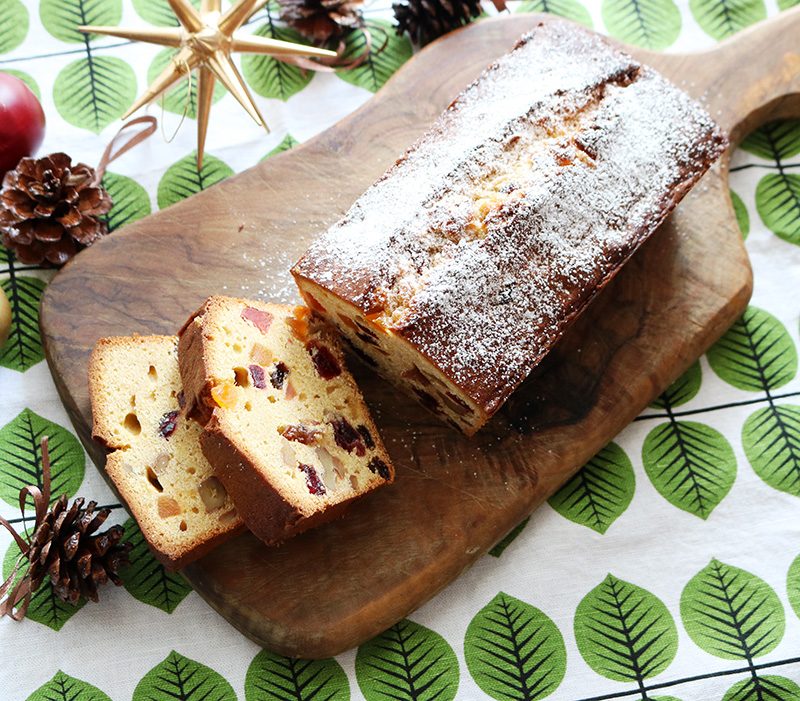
[(426, 20), (321, 20), (49, 209), (67, 548)]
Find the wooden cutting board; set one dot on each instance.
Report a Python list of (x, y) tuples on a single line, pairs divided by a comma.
[(333, 588)]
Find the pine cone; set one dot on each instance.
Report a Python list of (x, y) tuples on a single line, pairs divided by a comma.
[(426, 20), (49, 209), (321, 19), (66, 547)]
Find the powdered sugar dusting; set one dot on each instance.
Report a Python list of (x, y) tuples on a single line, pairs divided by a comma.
[(487, 237)]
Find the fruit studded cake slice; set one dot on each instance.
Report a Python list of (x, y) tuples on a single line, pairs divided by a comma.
[(459, 269), (287, 430), (157, 466)]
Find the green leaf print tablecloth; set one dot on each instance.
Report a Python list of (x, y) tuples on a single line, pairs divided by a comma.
[(667, 569)]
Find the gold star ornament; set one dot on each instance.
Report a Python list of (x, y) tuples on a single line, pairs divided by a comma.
[(205, 41)]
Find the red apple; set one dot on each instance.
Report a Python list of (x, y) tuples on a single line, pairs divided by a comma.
[(21, 122)]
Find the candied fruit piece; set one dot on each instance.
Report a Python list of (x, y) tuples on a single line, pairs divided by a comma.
[(298, 323), (315, 485), (377, 465), (300, 433), (312, 302), (415, 374), (161, 462), (167, 506), (224, 394), (346, 437), (257, 373), (324, 361), (366, 435), (278, 374), (261, 320), (260, 355), (291, 393), (168, 423), (212, 493)]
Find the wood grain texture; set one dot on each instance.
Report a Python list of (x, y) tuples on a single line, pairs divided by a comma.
[(333, 588)]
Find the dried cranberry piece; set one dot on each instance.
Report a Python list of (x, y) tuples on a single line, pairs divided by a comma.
[(460, 402), (300, 433), (324, 361), (168, 423), (366, 435), (261, 320), (315, 485), (427, 400), (278, 374), (377, 465), (257, 373), (346, 437)]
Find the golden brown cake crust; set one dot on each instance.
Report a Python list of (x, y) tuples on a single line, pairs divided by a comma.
[(496, 229)]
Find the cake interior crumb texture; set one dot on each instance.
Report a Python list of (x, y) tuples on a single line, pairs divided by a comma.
[(460, 268), (157, 466), (287, 429)]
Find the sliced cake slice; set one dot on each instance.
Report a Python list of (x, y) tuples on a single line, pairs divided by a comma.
[(157, 466), (287, 430)]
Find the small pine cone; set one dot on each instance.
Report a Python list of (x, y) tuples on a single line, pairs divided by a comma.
[(67, 549), (426, 20), (49, 209), (321, 20)]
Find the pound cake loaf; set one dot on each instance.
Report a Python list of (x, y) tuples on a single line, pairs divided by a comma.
[(287, 430), (459, 269), (157, 466)]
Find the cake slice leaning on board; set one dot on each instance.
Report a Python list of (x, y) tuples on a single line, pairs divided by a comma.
[(458, 270)]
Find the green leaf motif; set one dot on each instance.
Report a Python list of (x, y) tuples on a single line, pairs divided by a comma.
[(690, 464), (756, 354), (14, 23), (771, 440), (270, 77), (61, 18), (62, 687), (568, 9), (25, 78), (91, 93), (498, 549), (387, 53), (624, 632), (722, 18), (652, 24), (146, 580), (762, 688), (731, 613), (742, 215), (407, 662), (683, 390), (774, 141), (276, 678), (599, 492), (158, 12), (182, 178), (45, 607), (178, 677), (288, 142), (793, 585), (21, 457), (786, 4), (180, 99), (778, 205), (23, 349), (514, 651), (131, 201)]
